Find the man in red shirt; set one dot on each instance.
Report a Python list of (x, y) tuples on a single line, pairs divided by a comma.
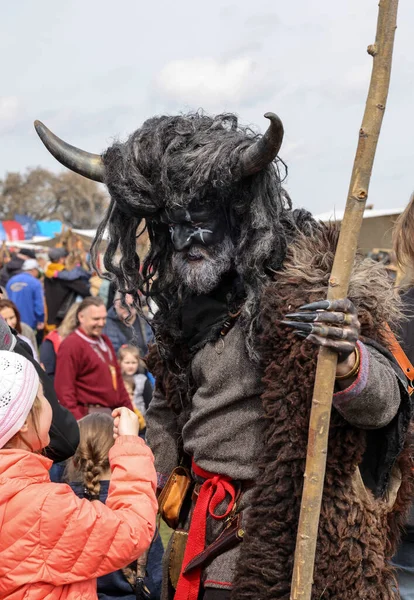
[(87, 372)]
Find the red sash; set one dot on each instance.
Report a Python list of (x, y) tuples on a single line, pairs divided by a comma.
[(211, 494)]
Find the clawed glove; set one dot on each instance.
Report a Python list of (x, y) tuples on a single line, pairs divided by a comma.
[(333, 324)]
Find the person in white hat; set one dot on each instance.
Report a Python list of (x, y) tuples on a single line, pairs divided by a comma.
[(21, 394), (26, 291), (53, 544)]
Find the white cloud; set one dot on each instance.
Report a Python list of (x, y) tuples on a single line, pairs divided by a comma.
[(294, 150), (9, 113), (357, 78), (199, 81), (263, 23)]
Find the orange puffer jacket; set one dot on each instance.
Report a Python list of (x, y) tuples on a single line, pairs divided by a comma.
[(52, 544)]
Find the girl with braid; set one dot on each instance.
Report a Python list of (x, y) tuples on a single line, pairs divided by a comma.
[(88, 473)]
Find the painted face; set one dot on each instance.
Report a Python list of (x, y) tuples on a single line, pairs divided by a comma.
[(203, 247), (195, 228)]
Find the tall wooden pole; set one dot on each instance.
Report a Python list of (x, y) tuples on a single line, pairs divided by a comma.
[(314, 476)]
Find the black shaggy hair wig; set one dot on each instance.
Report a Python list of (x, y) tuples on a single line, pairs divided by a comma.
[(168, 163)]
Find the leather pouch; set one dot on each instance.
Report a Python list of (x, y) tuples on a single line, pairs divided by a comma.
[(172, 497), (178, 544)]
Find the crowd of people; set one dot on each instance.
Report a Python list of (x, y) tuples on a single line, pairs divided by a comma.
[(88, 351), (47, 305)]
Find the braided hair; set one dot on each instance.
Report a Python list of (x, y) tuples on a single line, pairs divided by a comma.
[(91, 457)]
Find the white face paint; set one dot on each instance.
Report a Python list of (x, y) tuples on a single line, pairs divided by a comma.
[(200, 228), (195, 232), (199, 231)]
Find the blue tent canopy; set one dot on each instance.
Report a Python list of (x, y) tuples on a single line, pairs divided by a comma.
[(3, 235), (49, 228)]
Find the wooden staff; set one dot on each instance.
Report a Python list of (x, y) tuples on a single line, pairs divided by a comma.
[(314, 476)]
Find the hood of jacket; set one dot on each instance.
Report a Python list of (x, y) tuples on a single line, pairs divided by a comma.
[(112, 314)]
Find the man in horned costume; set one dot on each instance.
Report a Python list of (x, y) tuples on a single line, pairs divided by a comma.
[(239, 280)]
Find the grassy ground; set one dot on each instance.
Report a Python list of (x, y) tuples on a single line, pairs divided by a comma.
[(165, 533)]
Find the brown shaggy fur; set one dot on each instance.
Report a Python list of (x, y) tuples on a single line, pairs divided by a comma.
[(356, 536), (354, 541)]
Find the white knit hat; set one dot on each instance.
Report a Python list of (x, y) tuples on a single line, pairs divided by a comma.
[(19, 384)]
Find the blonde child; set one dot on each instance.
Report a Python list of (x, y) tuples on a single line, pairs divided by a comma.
[(133, 369), (52, 544), (129, 383), (89, 475)]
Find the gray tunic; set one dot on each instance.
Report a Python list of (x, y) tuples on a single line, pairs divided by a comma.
[(224, 433)]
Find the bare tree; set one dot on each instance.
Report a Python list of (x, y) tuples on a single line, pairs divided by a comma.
[(43, 195)]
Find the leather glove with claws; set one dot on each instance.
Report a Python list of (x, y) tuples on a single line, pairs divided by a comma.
[(333, 324)]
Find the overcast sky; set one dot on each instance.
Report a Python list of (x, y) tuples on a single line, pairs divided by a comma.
[(93, 70)]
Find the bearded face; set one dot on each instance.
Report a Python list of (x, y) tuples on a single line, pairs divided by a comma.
[(203, 249)]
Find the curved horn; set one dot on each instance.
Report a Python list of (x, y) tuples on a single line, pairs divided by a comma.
[(262, 152), (86, 164)]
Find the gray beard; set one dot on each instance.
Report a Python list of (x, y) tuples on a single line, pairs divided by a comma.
[(203, 276)]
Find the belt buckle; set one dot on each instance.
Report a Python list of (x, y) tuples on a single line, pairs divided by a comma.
[(232, 515)]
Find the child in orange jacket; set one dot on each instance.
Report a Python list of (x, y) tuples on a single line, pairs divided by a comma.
[(53, 545)]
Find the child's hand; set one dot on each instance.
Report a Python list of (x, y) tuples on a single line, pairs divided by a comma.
[(125, 422)]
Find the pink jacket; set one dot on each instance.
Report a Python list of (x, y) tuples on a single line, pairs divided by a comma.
[(52, 544)]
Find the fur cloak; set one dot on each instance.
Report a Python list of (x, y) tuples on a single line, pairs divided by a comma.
[(358, 533), (358, 530)]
